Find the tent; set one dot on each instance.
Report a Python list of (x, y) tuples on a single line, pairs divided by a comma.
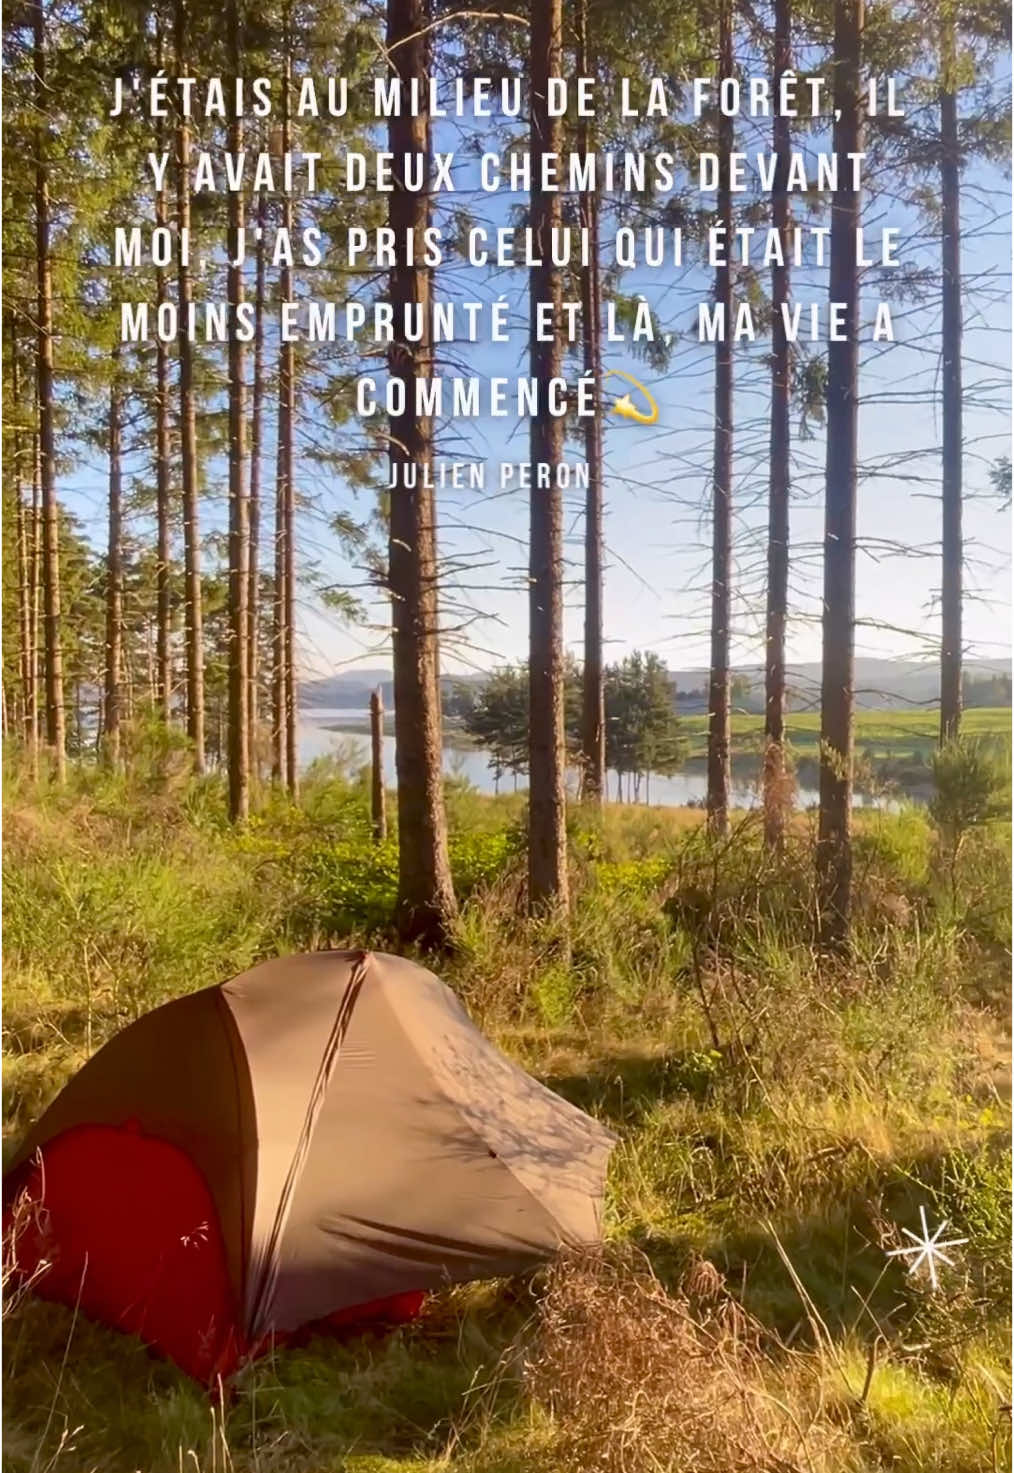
[(322, 1139)]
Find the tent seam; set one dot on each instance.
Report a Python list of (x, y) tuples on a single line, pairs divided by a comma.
[(325, 1068), (234, 1040)]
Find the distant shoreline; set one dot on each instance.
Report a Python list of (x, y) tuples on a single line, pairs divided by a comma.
[(893, 747)]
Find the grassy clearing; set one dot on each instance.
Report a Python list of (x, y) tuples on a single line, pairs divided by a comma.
[(880, 731), (894, 749), (780, 1119)]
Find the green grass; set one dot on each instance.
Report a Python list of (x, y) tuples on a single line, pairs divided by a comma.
[(771, 1107), (884, 733)]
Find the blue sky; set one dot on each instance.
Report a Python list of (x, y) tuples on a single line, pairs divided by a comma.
[(657, 526)]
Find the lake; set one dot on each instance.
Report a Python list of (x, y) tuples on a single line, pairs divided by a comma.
[(324, 731)]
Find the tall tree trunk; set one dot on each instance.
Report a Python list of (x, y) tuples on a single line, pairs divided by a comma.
[(194, 637), (21, 514), (278, 603), (834, 841), (56, 729), (547, 801), (256, 435), (378, 797), (291, 691), (162, 479), (239, 526), (952, 553), (775, 787), (36, 604), (425, 906), (593, 747), (149, 664), (114, 567), (26, 534), (719, 762), (127, 683), (286, 750)]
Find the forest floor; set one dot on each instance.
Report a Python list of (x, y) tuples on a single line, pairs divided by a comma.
[(780, 1120)]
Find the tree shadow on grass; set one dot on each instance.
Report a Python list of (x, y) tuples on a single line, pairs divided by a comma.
[(623, 1088), (828, 1270), (394, 1395)]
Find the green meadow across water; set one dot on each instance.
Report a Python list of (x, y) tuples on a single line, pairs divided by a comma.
[(882, 733)]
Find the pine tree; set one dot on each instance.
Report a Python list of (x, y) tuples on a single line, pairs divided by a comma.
[(256, 437), (547, 808), (780, 469), (593, 747), (163, 490), (56, 733), (239, 527), (114, 567), (194, 640), (952, 544), (285, 750), (719, 760), (834, 840), (426, 905)]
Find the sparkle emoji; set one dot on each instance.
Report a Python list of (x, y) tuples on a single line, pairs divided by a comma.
[(924, 1250), (625, 406)]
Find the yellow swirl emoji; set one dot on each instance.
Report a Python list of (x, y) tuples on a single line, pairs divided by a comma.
[(625, 407)]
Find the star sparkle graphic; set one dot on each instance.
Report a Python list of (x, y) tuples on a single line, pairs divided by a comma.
[(927, 1249)]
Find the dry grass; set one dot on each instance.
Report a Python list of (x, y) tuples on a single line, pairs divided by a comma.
[(639, 1379)]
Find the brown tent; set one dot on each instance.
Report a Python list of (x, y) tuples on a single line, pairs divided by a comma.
[(324, 1137)]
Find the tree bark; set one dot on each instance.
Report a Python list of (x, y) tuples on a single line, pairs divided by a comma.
[(256, 434), (834, 841), (719, 763), (27, 535), (24, 605), (280, 645), (547, 808), (278, 723), (952, 549), (149, 661), (776, 797), (291, 693), (36, 603), (114, 568), (126, 684), (163, 635), (593, 751), (425, 904), (56, 728), (193, 617), (378, 799), (239, 526), (23, 573), (286, 747)]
